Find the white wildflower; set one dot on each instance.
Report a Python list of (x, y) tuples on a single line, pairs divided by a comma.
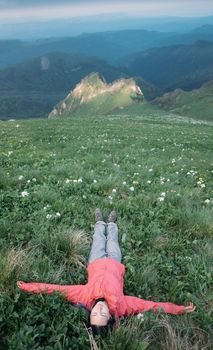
[(24, 194), (49, 216), (140, 317), (47, 207)]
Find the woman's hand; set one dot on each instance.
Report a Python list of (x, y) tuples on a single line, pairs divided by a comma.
[(190, 308), (21, 284)]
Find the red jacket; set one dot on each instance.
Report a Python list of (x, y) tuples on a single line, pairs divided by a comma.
[(105, 280)]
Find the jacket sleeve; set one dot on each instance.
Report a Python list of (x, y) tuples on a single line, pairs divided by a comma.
[(136, 305), (72, 293)]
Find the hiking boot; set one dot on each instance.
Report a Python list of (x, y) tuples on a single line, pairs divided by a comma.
[(112, 216), (98, 214)]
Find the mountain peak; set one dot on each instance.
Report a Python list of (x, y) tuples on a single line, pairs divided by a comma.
[(98, 96), (94, 79)]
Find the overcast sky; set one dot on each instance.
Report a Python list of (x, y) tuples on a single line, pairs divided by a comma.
[(23, 10)]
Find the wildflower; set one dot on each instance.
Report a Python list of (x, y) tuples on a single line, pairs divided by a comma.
[(162, 179), (140, 317), (132, 189), (49, 216), (135, 182), (21, 177), (24, 194), (208, 201), (162, 196)]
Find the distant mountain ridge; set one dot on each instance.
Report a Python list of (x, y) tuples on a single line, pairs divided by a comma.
[(31, 89), (94, 95), (177, 66), (110, 46)]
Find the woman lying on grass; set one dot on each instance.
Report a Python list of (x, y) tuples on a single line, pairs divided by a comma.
[(103, 294)]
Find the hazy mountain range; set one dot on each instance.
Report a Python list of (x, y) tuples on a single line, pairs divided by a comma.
[(110, 46), (91, 24), (36, 75)]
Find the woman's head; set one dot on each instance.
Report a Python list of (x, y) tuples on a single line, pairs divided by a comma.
[(100, 315)]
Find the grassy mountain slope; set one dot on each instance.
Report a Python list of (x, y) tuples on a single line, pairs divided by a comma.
[(178, 66), (94, 96), (32, 88), (196, 103), (157, 173)]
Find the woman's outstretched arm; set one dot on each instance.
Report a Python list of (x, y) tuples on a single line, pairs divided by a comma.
[(72, 293), (136, 305)]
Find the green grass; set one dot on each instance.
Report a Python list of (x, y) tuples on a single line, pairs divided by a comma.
[(166, 245)]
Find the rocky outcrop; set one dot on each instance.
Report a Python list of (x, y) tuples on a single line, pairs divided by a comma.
[(94, 88)]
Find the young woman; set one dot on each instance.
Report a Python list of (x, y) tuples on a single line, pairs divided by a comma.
[(103, 294)]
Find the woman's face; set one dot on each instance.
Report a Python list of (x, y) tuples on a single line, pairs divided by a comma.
[(100, 315)]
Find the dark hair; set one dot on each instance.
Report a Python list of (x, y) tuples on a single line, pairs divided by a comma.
[(102, 330)]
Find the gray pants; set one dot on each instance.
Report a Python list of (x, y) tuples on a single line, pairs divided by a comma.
[(105, 246)]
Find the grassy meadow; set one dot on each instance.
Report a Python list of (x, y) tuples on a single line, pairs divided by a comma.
[(156, 171)]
